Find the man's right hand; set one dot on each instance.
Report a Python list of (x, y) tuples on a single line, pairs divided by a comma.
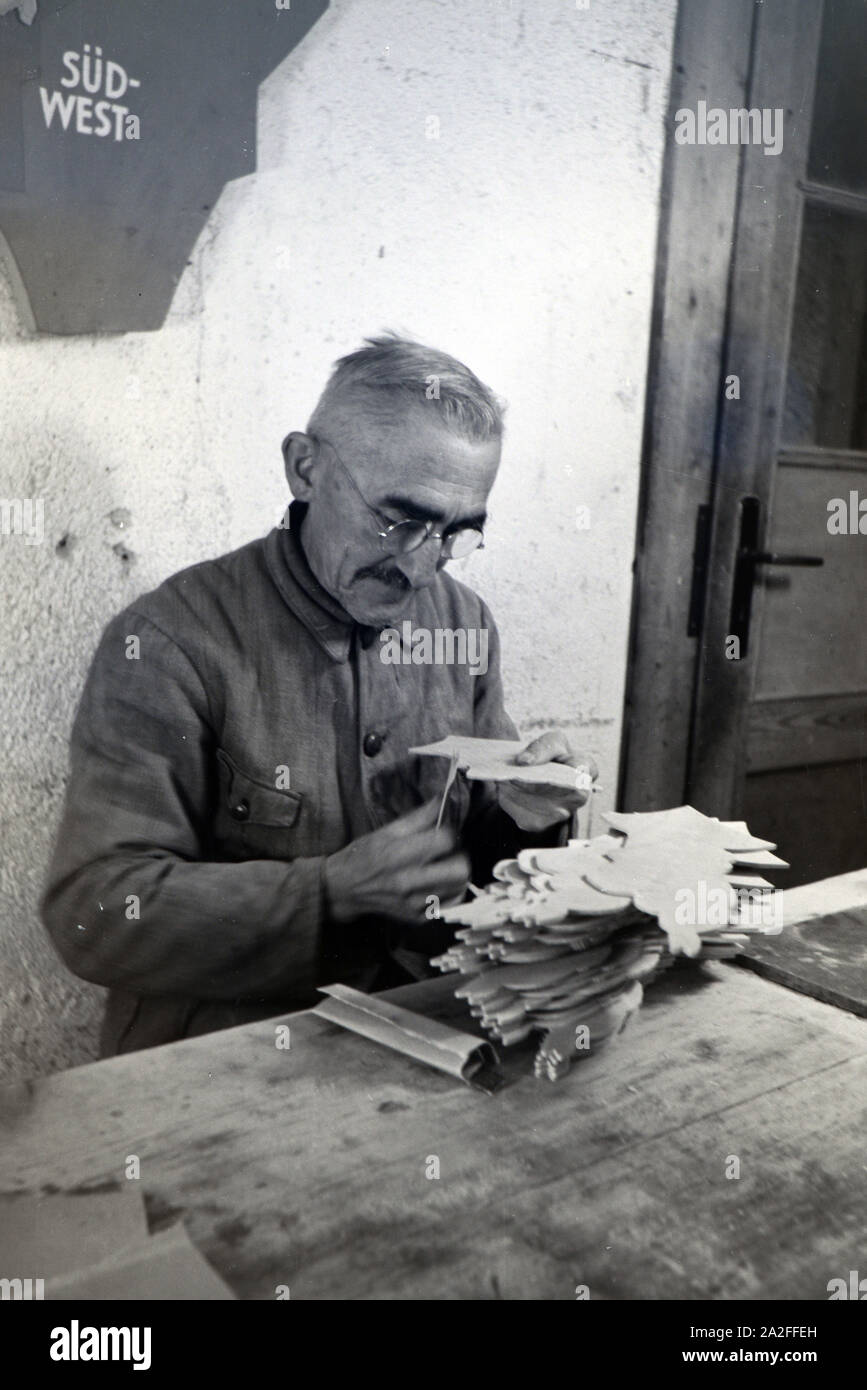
[(391, 872)]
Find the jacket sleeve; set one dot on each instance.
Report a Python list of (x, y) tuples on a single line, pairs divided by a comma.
[(131, 900), (489, 833)]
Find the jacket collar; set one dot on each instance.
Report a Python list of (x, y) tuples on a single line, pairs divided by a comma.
[(322, 615)]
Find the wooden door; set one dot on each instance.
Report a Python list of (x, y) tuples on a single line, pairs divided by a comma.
[(772, 665)]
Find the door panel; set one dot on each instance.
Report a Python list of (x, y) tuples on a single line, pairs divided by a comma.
[(806, 731), (812, 630), (781, 735), (838, 151), (816, 816), (826, 394)]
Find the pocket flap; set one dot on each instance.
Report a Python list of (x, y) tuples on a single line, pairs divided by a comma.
[(250, 800)]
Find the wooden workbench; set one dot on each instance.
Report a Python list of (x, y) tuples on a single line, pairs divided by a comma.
[(307, 1167)]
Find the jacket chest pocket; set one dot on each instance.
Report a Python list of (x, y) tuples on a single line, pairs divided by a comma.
[(253, 819)]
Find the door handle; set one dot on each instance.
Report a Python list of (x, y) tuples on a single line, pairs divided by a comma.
[(765, 557), (747, 559)]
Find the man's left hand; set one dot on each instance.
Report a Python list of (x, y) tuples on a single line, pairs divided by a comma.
[(537, 807)]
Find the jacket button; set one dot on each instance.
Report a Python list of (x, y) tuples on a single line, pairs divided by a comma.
[(240, 810), (372, 744)]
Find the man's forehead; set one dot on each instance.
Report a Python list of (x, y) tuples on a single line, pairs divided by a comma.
[(418, 452)]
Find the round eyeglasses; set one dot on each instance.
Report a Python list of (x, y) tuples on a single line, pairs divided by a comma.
[(402, 537)]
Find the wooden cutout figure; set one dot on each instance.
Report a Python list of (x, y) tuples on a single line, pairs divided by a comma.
[(493, 760)]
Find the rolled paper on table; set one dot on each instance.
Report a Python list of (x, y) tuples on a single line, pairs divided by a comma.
[(472, 1060)]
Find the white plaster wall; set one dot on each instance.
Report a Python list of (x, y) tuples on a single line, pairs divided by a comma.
[(522, 240)]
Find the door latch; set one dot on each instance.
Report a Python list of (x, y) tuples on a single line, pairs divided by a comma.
[(748, 558)]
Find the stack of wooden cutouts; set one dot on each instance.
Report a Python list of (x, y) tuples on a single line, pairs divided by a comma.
[(564, 941)]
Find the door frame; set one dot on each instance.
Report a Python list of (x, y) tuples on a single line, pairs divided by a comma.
[(686, 704)]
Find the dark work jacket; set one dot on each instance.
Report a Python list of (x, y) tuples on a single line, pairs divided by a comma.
[(221, 750)]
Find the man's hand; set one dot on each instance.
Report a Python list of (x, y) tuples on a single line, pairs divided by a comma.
[(537, 807), (391, 872)]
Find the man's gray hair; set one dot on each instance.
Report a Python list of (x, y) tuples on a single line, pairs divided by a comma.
[(395, 366)]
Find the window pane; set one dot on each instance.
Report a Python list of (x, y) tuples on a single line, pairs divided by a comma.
[(838, 149), (826, 397)]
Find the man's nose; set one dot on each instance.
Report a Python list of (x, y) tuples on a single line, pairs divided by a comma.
[(420, 566)]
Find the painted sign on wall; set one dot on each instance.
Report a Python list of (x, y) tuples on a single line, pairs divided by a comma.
[(120, 123)]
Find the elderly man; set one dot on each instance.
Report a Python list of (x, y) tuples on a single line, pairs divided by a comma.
[(244, 820)]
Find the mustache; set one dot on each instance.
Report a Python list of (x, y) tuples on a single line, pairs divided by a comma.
[(394, 578)]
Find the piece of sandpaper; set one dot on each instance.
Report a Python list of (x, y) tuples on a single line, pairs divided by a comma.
[(425, 1039), (166, 1266), (41, 1237)]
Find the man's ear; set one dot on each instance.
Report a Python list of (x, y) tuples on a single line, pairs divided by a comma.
[(299, 453)]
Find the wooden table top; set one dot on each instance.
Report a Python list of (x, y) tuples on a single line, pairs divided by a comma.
[(307, 1167)]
